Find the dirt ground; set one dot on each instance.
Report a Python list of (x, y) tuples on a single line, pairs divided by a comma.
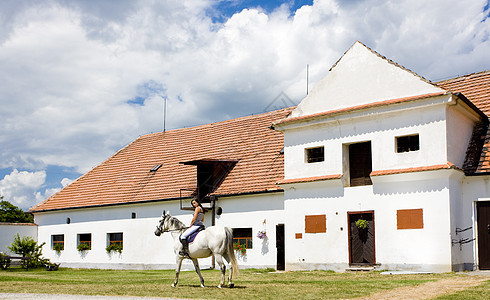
[(430, 290)]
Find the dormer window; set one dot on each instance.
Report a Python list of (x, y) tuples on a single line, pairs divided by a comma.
[(316, 154), (407, 143)]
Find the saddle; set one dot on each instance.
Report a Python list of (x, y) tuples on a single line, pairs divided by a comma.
[(191, 237)]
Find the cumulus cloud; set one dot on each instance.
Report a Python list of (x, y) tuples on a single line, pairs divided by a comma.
[(81, 79), (20, 188)]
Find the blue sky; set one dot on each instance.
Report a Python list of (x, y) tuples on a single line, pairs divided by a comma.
[(82, 79)]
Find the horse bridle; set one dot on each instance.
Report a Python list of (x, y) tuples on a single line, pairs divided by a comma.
[(159, 227)]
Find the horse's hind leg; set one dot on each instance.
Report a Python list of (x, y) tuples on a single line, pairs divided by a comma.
[(230, 275), (177, 271), (222, 267), (198, 270)]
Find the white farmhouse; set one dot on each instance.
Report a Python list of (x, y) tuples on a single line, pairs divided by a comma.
[(377, 167)]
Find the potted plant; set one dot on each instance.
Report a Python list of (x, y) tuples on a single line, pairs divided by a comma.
[(114, 247), (83, 247), (58, 248), (262, 234), (362, 224), (241, 249)]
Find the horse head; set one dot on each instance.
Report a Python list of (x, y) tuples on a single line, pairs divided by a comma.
[(162, 225)]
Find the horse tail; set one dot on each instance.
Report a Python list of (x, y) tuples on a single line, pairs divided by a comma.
[(231, 252)]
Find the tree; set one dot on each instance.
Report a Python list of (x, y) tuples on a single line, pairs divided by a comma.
[(12, 214), (28, 247)]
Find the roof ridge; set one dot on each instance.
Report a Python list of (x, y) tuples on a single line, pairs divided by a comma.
[(461, 76), (384, 58), (242, 118)]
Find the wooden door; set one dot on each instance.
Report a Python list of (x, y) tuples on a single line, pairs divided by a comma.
[(360, 164), (483, 223), (361, 241), (281, 261)]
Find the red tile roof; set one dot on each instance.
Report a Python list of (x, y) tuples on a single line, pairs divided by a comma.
[(476, 87), (126, 178)]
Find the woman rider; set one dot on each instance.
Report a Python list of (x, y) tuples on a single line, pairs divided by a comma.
[(197, 221)]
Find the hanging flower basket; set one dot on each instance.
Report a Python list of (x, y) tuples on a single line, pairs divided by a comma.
[(362, 224), (262, 234)]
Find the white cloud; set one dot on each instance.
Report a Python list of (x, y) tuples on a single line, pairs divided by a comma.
[(69, 68), (19, 188)]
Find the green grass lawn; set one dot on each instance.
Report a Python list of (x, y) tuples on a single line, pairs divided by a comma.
[(250, 283)]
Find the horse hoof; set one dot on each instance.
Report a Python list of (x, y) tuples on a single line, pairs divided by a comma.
[(219, 286), (231, 285), (202, 285), (173, 285)]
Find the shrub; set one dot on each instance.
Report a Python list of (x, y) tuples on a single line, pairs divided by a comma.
[(4, 261)]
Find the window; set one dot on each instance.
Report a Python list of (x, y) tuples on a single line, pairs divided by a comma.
[(316, 154), (316, 224), (243, 236), (360, 164), (115, 239), (407, 143), (58, 242), (410, 219), (84, 239)]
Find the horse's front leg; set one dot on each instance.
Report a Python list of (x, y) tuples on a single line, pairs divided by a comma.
[(198, 270), (177, 270)]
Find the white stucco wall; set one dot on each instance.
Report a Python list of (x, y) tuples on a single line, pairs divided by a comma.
[(428, 122), (426, 249), (142, 249), (362, 77), (8, 231)]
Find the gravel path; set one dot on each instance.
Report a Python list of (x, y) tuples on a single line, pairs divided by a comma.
[(431, 289)]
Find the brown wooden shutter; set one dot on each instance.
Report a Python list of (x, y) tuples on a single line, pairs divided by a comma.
[(410, 218), (316, 224)]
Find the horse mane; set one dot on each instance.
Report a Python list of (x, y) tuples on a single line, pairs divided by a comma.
[(176, 223)]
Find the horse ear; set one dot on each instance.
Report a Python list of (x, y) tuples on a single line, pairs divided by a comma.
[(163, 212)]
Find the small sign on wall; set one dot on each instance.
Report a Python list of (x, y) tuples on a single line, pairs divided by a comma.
[(316, 224), (410, 218)]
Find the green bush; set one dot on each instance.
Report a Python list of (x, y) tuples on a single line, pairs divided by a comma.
[(4, 261)]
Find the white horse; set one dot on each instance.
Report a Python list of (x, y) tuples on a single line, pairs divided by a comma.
[(215, 240)]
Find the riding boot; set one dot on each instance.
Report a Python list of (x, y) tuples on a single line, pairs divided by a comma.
[(185, 248)]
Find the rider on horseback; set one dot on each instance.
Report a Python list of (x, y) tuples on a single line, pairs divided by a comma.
[(196, 223)]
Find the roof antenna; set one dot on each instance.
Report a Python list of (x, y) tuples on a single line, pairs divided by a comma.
[(307, 75), (164, 113)]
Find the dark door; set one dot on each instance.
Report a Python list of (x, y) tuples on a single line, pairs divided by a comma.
[(281, 261), (360, 164), (483, 223), (361, 240)]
